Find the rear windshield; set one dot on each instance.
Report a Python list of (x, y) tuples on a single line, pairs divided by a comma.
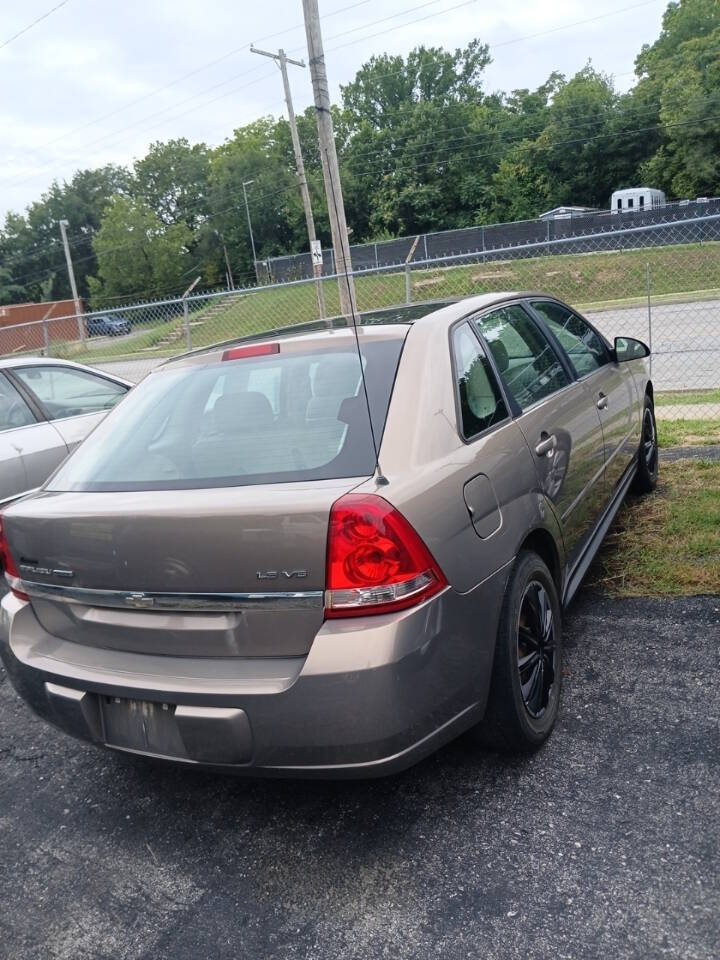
[(269, 419)]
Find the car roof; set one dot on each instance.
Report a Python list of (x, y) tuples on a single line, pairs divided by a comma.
[(386, 322), (18, 361)]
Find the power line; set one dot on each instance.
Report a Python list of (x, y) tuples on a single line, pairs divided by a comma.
[(30, 277), (172, 83), (153, 116), (532, 36), (376, 151), (499, 137), (287, 30), (33, 24), (450, 157), (191, 73)]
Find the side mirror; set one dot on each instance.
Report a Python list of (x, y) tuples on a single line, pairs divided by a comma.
[(628, 349)]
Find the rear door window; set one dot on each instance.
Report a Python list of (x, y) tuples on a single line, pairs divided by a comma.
[(285, 417), (481, 401), (14, 412), (528, 364)]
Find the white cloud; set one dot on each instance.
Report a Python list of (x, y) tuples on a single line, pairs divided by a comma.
[(91, 59)]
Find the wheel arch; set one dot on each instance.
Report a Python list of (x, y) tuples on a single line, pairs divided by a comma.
[(542, 542)]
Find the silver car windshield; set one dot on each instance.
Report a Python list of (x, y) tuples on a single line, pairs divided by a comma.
[(267, 419)]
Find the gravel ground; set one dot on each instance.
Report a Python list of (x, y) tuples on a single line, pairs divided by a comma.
[(709, 452), (603, 845)]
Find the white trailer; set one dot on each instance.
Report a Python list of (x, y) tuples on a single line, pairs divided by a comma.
[(635, 199)]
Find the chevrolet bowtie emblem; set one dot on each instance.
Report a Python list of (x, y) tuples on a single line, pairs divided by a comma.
[(139, 600)]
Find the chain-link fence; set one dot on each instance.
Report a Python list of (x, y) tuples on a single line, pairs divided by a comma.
[(653, 283), (599, 229)]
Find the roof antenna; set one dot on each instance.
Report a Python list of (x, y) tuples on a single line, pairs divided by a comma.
[(380, 478)]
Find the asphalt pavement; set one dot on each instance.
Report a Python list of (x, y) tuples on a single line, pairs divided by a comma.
[(602, 845)]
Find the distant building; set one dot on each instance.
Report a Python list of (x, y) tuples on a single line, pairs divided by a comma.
[(565, 213), (634, 199), (33, 325)]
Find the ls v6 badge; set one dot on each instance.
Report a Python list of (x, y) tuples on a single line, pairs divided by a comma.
[(279, 574)]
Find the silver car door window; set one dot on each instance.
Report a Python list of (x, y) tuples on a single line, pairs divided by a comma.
[(14, 411), (66, 392)]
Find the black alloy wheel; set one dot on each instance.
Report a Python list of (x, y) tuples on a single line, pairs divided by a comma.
[(536, 648)]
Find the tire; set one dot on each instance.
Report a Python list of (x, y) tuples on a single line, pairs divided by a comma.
[(521, 712), (646, 476)]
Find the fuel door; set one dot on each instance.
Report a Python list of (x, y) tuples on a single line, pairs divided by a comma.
[(483, 507)]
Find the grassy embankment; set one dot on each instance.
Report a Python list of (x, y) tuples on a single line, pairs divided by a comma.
[(589, 281)]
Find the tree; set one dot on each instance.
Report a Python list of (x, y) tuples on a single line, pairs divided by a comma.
[(172, 178), (31, 245), (386, 86), (138, 255), (410, 132), (680, 75), (261, 152)]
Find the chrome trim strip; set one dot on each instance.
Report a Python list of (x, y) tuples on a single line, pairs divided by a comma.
[(208, 602), (16, 496)]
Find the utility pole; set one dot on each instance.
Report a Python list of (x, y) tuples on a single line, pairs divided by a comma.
[(73, 285), (328, 156), (231, 281), (282, 61), (246, 183)]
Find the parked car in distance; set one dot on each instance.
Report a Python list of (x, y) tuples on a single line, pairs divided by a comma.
[(46, 408), (328, 553), (110, 325)]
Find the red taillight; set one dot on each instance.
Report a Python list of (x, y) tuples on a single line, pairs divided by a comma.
[(252, 350), (8, 565), (376, 562)]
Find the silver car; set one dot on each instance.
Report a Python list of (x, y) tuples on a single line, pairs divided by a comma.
[(330, 552), (46, 408)]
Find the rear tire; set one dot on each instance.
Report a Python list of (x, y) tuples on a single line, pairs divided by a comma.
[(527, 669), (646, 477)]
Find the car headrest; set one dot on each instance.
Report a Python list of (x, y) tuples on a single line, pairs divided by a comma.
[(337, 376), (248, 412), (499, 352)]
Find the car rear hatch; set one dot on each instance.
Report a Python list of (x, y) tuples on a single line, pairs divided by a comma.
[(194, 520), (211, 573)]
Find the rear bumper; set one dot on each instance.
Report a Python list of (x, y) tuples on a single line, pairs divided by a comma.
[(371, 697)]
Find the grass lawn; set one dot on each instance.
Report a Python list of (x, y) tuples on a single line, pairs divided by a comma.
[(688, 433), (667, 543), (684, 397), (608, 279)]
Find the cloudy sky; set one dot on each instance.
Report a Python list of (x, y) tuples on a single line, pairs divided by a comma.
[(96, 81)]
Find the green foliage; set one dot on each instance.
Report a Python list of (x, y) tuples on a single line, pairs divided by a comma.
[(172, 178), (422, 146), (30, 245), (681, 72), (138, 255)]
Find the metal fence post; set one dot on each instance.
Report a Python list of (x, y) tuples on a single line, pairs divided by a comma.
[(186, 322), (649, 311), (186, 312), (408, 287), (46, 334)]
